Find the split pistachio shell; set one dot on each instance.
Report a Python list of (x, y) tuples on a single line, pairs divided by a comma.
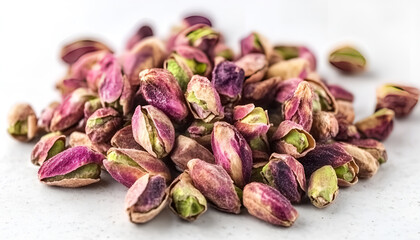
[(268, 204), (81, 139), (47, 147), (372, 146), (215, 184), (102, 125), (146, 198), (227, 79), (293, 68), (348, 60), (71, 52), (255, 66), (284, 52), (143, 32), (160, 89), (124, 138), (127, 165), (368, 165), (256, 43), (287, 175), (22, 122), (325, 126), (323, 99), (232, 152), (323, 188), (399, 98), (153, 130), (203, 99), (74, 167), (186, 149), (377, 126), (185, 200), (262, 92), (200, 36), (290, 138), (44, 120), (251, 121), (298, 108)]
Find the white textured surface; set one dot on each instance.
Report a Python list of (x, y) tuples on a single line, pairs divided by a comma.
[(384, 207)]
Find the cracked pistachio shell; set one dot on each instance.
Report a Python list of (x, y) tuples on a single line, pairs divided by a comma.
[(399, 98), (255, 66), (290, 138), (146, 54), (262, 92), (127, 165), (160, 89), (377, 126), (286, 89), (375, 148), (256, 43), (293, 68), (368, 165), (251, 121), (298, 108), (74, 167), (268, 204), (215, 184), (232, 152), (102, 125), (348, 60), (82, 67), (153, 130), (284, 52), (48, 146), (71, 110), (185, 200), (146, 198), (47, 113), (143, 32), (81, 139), (227, 79), (186, 149), (200, 36), (286, 174), (323, 188), (124, 138), (324, 127), (323, 99), (345, 110), (346, 130), (201, 132), (340, 93), (335, 155), (203, 99), (71, 52), (22, 122)]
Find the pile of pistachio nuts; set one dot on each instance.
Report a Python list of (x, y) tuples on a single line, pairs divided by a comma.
[(185, 123)]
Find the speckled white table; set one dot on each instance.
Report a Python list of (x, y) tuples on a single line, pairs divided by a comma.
[(384, 207)]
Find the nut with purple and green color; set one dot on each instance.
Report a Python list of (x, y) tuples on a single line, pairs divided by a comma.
[(298, 108), (399, 98), (103, 124), (227, 79), (348, 60), (377, 126), (368, 165), (22, 122), (124, 138), (255, 66), (71, 52), (48, 146), (256, 43), (323, 188), (293, 68), (372, 146)]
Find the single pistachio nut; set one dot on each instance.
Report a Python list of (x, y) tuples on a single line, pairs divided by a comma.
[(298, 108), (293, 68), (323, 188), (22, 122), (160, 89), (399, 98), (71, 52), (143, 32), (203, 100), (215, 184), (377, 126), (255, 66), (153, 130), (256, 43), (372, 146), (124, 138), (284, 52), (232, 152), (286, 174), (227, 79), (323, 99), (48, 146), (324, 126), (340, 93), (368, 165), (286, 89), (263, 92), (74, 167), (102, 125), (47, 113), (186, 149), (185, 200), (200, 36), (268, 204), (348, 60), (146, 198), (251, 121)]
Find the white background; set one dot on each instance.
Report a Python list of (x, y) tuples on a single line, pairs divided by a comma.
[(388, 32)]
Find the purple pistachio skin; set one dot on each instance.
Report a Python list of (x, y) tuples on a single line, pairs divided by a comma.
[(346, 130), (215, 184), (325, 154), (255, 43), (281, 146), (228, 79), (153, 130), (201, 132), (287, 175), (70, 111), (374, 147), (307, 54), (103, 124), (47, 114), (203, 99), (298, 108), (377, 126), (41, 151), (142, 33), (251, 128), (262, 92), (71, 52), (124, 138), (127, 174), (68, 161), (205, 43), (192, 53), (340, 93), (146, 198), (232, 152), (255, 66), (82, 67), (196, 19), (268, 204), (399, 98), (160, 89), (286, 89), (186, 149)]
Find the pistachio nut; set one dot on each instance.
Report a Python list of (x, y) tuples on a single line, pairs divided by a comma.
[(102, 125), (372, 146), (298, 108), (377, 126), (348, 60), (48, 146), (255, 66), (293, 68), (324, 126), (368, 165), (399, 98), (256, 43), (124, 138), (22, 122), (71, 52), (143, 32), (323, 188), (227, 79)]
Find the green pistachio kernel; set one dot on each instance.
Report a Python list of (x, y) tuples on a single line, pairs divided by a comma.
[(91, 123), (56, 148), (266, 173), (196, 67), (257, 42), (186, 205), (20, 128), (239, 192), (91, 170), (199, 33), (343, 172), (323, 186), (154, 138), (297, 139), (193, 99), (257, 115), (121, 158), (180, 75), (287, 52), (258, 144)]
